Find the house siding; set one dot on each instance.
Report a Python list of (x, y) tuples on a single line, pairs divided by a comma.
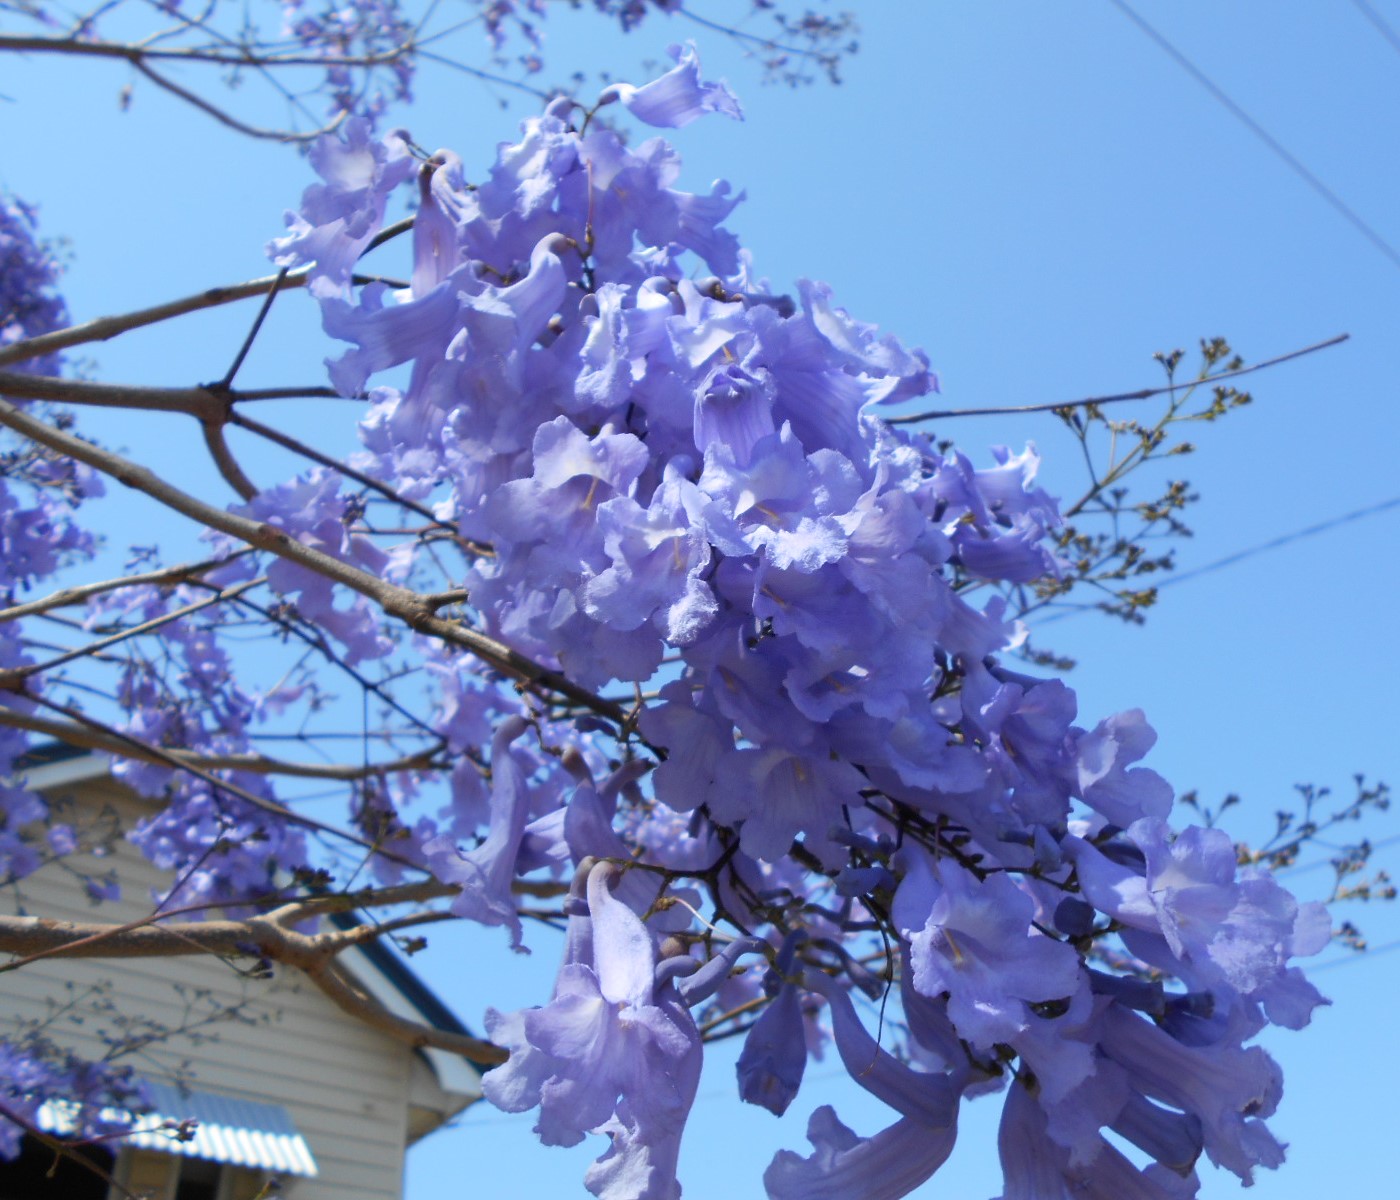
[(345, 1085)]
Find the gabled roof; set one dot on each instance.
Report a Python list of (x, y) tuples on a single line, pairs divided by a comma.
[(375, 967)]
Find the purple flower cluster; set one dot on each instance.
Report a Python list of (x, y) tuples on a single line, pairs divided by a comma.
[(682, 484), (790, 772), (38, 535), (30, 302), (501, 18), (362, 42), (90, 1100), (221, 845)]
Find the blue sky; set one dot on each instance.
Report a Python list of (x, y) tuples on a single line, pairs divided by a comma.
[(1040, 197)]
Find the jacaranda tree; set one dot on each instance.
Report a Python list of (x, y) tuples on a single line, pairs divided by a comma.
[(672, 639)]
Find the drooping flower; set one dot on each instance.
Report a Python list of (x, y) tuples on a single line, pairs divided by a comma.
[(678, 97)]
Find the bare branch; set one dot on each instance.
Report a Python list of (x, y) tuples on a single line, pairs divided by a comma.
[(223, 458), (208, 404), (135, 748), (289, 913), (156, 937), (227, 118), (65, 597), (358, 1004), (102, 329), (298, 447), (12, 677), (254, 937), (64, 1150), (398, 602), (133, 53), (263, 309), (256, 764), (1142, 394)]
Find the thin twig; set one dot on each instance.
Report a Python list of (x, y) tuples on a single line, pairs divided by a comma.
[(12, 676), (288, 442), (133, 54), (139, 749), (264, 308), (81, 592), (313, 954), (1142, 394), (228, 119), (64, 1150), (740, 35), (102, 329)]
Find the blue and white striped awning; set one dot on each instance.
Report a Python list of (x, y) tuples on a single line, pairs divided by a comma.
[(242, 1133)]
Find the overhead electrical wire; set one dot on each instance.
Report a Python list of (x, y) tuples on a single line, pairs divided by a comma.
[(1349, 214), (1283, 540), (1363, 227), (1379, 22), (1230, 560), (1358, 956), (1322, 862)]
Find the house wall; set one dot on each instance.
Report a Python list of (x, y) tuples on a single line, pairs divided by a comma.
[(345, 1085)]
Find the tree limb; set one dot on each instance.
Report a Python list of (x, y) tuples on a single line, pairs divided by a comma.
[(207, 404), (64, 1149), (229, 467), (135, 748), (255, 764), (12, 677), (256, 937), (132, 53), (401, 603), (351, 1000), (287, 442), (102, 329)]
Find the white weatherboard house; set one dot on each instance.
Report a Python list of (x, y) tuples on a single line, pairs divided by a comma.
[(282, 1083)]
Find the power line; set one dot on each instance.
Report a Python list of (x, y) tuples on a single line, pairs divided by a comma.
[(1286, 539), (1352, 217), (1249, 552), (1355, 957), (1322, 862), (1379, 22)]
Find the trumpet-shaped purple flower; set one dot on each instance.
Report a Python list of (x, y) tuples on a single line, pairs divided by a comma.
[(1226, 1088), (340, 216), (774, 1056), (312, 511), (678, 97), (1238, 932), (774, 794), (1038, 1168), (611, 1053), (973, 939), (485, 873), (846, 1166), (658, 554), (1105, 777)]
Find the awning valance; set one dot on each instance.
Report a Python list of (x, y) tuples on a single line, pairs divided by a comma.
[(243, 1133)]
